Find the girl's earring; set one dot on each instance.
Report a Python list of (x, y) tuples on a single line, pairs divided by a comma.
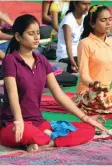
[(19, 41)]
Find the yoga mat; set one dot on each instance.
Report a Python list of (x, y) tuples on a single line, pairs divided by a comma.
[(97, 152), (50, 117)]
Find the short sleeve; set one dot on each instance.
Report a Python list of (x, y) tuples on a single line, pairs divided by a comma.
[(47, 65), (54, 7), (9, 68), (68, 21)]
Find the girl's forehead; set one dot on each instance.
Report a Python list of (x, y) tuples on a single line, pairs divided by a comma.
[(104, 14), (33, 26)]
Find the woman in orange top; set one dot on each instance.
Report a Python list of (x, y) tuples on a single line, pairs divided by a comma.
[(95, 62)]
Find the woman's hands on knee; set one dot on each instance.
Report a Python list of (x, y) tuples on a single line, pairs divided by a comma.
[(96, 121), (18, 129)]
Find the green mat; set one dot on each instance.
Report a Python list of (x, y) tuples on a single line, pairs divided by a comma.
[(51, 116), (107, 3)]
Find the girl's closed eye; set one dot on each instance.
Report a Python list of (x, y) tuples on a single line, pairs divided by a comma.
[(106, 19), (103, 20), (38, 33), (30, 33), (110, 19)]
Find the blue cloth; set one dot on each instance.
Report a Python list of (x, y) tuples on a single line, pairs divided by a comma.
[(61, 128), (4, 46)]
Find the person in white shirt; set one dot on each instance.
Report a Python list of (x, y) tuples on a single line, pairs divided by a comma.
[(69, 33)]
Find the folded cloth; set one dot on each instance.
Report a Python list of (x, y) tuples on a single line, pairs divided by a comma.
[(61, 128)]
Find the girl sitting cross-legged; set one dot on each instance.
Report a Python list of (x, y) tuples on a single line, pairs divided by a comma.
[(25, 76)]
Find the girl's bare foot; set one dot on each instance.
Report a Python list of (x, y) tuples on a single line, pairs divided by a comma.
[(32, 148), (50, 145), (35, 147), (48, 132)]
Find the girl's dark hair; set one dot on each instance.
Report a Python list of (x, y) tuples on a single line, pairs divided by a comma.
[(72, 6), (20, 25), (91, 19)]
